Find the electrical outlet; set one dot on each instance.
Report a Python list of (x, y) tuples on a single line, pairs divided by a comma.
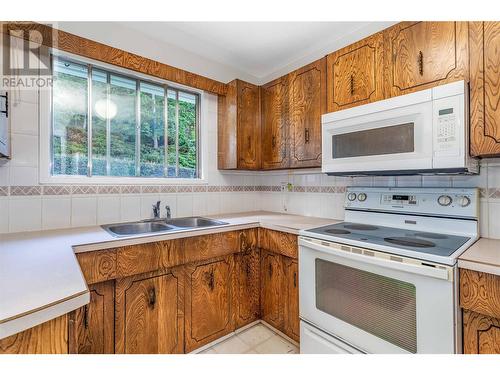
[(286, 187)]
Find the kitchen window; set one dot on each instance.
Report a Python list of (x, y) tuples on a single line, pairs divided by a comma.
[(109, 124)]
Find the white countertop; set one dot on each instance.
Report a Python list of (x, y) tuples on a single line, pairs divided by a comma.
[(40, 278), (483, 256)]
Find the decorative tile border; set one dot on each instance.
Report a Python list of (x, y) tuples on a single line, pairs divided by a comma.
[(171, 189)]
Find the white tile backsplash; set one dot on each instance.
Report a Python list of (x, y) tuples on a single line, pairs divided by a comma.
[(130, 207), (25, 214), (56, 212), (108, 209), (83, 211)]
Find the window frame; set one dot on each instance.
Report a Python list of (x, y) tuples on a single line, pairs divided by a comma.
[(45, 126)]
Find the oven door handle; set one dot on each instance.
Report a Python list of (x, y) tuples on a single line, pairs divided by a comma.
[(419, 269)]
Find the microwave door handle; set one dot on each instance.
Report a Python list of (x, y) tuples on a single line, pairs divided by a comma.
[(438, 273)]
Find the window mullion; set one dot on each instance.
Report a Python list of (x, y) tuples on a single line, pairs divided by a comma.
[(89, 121), (165, 131), (137, 129), (108, 124), (176, 133)]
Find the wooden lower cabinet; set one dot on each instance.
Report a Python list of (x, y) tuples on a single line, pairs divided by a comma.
[(209, 307), (247, 293), (272, 299), (291, 292), (481, 333), (47, 338), (91, 327), (149, 313), (480, 301)]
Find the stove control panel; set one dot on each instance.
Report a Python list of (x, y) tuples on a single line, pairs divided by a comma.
[(462, 202)]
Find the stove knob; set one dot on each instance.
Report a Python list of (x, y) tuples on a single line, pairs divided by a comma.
[(361, 197), (463, 201), (444, 200), (351, 196)]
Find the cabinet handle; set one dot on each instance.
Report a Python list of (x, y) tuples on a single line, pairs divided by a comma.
[(270, 270), (306, 135), (273, 141), (243, 242), (352, 84), (249, 140), (295, 279), (420, 63), (86, 316), (6, 96), (248, 270), (152, 297), (211, 280)]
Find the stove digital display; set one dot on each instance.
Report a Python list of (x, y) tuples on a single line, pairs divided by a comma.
[(400, 197)]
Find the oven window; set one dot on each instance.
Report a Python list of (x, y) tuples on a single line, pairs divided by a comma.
[(377, 304), (381, 141)]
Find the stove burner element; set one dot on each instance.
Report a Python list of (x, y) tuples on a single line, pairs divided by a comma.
[(409, 242), (360, 227), (337, 231), (435, 236)]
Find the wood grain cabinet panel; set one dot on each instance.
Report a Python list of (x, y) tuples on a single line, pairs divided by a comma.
[(480, 292), (47, 338), (484, 40), (307, 96), (274, 99), (355, 74), (149, 314), (247, 294), (209, 305), (98, 265), (272, 299), (420, 55), (238, 124), (291, 292), (279, 242), (481, 333), (91, 327)]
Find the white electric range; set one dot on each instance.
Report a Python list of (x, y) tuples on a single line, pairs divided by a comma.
[(386, 279)]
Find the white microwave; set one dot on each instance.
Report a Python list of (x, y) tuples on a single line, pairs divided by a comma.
[(426, 132)]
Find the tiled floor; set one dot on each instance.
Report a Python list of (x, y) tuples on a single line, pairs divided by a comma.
[(257, 339)]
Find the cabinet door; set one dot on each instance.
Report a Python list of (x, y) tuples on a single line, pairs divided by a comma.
[(248, 126), (484, 39), (91, 327), (149, 314), (481, 333), (292, 321), (307, 95), (209, 312), (274, 120), (425, 54), (271, 289), (355, 74), (247, 295)]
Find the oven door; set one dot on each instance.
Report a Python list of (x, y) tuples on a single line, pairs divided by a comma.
[(363, 140), (376, 302)]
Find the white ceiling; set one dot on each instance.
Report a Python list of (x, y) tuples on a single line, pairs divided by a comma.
[(257, 51)]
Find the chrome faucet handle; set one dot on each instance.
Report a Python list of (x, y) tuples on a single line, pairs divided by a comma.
[(156, 210), (167, 208)]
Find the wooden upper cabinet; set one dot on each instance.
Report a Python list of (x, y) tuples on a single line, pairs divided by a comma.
[(149, 314), (271, 300), (248, 126), (307, 95), (274, 97), (91, 327), (355, 74), (291, 292), (420, 55), (209, 310), (484, 39), (239, 127)]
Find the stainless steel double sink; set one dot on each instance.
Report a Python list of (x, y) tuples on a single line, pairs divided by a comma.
[(160, 225)]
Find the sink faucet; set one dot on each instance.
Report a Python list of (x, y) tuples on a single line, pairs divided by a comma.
[(169, 215), (156, 210)]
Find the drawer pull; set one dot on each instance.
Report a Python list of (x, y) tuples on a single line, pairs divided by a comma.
[(421, 63), (152, 297)]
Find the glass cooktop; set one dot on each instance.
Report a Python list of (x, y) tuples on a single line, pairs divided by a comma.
[(424, 242)]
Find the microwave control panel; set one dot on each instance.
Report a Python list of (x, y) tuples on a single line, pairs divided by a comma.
[(448, 127)]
